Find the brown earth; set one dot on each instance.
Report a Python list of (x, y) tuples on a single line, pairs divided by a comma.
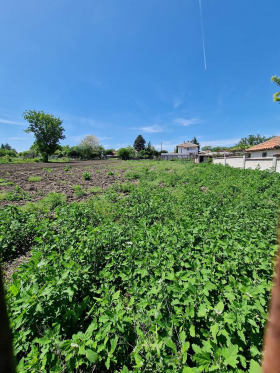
[(56, 179)]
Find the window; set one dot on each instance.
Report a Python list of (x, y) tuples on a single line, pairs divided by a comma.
[(249, 155), (264, 154)]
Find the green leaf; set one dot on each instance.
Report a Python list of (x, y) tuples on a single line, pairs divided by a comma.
[(254, 367), (171, 344), (203, 359), (192, 331), (219, 308), (214, 330), (92, 356), (116, 295), (230, 355), (125, 369), (254, 351), (107, 363), (114, 343)]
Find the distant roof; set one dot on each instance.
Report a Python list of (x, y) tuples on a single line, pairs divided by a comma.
[(273, 143), (188, 145)]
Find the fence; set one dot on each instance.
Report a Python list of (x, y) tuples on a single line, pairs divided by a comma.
[(268, 163), (169, 157)]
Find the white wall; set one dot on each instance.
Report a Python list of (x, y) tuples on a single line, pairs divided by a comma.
[(182, 150), (235, 162), (261, 163), (259, 154), (269, 163), (219, 161)]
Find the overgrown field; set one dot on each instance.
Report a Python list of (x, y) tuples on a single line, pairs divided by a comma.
[(170, 274)]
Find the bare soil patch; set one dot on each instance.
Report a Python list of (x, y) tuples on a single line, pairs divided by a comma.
[(55, 178)]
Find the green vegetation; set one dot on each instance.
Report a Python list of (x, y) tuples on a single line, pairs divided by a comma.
[(67, 168), (172, 276), (95, 190), (34, 178), (5, 182), (46, 204), (17, 194), (86, 175), (276, 96), (79, 191)]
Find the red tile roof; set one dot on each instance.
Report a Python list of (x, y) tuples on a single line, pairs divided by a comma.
[(273, 143)]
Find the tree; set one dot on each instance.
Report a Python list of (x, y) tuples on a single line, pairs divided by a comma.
[(90, 147), (276, 96), (207, 147), (194, 141), (47, 130), (126, 153), (139, 143), (251, 140), (109, 151), (6, 146)]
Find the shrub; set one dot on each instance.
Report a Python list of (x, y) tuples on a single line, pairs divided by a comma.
[(86, 175)]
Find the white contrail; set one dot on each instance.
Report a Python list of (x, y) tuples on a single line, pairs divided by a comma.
[(202, 34)]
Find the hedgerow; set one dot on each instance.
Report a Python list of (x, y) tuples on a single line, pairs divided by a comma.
[(173, 276)]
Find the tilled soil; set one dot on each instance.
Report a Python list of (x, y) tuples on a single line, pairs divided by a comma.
[(56, 179)]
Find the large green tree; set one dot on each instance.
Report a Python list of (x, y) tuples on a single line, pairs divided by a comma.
[(47, 130), (139, 143), (276, 96)]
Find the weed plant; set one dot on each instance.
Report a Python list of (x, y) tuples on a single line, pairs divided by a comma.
[(79, 191), (167, 279), (34, 178), (86, 175)]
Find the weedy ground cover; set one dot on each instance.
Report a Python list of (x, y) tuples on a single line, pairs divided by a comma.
[(171, 274)]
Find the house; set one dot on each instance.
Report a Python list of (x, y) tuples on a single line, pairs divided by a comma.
[(188, 148), (265, 149)]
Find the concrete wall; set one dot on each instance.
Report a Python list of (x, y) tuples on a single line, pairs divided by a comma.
[(235, 162), (268, 163), (261, 163)]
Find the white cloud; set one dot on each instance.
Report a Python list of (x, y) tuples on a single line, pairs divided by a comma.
[(187, 122), (226, 142), (6, 121), (152, 129)]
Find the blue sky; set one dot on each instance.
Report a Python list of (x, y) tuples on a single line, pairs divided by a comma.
[(119, 68)]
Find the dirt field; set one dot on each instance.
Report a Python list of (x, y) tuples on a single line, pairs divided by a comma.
[(56, 179)]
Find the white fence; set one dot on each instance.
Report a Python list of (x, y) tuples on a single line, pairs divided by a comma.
[(269, 163)]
